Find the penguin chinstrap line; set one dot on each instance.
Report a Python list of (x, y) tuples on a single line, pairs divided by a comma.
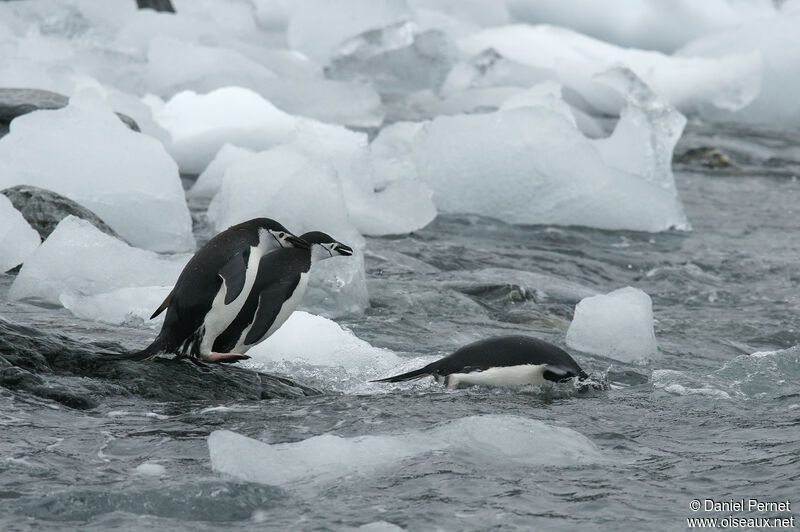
[(233, 288), (500, 361)]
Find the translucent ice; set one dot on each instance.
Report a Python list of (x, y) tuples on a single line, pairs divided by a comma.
[(317, 27), (78, 258), (617, 325), (17, 238), (86, 153), (200, 124), (209, 182), (727, 82), (490, 442), (532, 165)]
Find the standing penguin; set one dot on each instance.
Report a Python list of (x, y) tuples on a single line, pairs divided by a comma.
[(500, 361), (278, 289), (212, 290)]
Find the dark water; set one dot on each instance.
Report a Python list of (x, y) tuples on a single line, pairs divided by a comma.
[(703, 420)]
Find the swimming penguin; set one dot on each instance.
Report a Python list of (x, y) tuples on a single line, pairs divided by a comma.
[(280, 283), (212, 290), (500, 361)]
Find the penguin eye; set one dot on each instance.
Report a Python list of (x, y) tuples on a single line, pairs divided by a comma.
[(282, 235)]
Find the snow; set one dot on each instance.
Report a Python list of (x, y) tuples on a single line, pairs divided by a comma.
[(17, 238), (532, 165), (617, 325), (490, 442), (78, 258), (87, 154), (663, 26)]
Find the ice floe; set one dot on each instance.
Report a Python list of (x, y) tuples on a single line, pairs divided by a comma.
[(17, 238)]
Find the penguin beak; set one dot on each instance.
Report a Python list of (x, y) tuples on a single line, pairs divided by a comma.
[(297, 242), (344, 250)]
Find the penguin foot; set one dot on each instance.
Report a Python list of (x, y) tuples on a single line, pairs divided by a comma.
[(223, 358)]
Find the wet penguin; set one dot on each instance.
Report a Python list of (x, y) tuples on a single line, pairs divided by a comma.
[(278, 289), (500, 361), (213, 288)]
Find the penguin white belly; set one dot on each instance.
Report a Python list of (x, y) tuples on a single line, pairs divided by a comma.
[(498, 376), (221, 315), (289, 306)]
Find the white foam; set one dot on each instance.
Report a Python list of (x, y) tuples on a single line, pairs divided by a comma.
[(86, 153), (17, 238), (489, 442), (617, 325), (78, 258)]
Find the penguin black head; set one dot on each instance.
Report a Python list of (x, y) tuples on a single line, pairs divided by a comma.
[(325, 246)]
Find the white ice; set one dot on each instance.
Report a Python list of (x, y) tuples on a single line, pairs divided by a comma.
[(616, 325), (86, 153), (490, 442), (209, 182), (200, 124), (130, 306), (151, 469), (532, 165), (17, 238), (78, 258), (663, 26), (776, 42), (314, 347)]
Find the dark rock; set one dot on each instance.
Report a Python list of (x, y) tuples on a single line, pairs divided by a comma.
[(43, 209), (706, 156), (16, 102), (158, 5), (79, 375)]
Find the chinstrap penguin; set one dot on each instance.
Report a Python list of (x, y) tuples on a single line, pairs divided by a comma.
[(212, 290), (280, 283), (500, 361)]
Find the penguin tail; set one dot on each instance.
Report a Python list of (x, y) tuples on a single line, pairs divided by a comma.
[(148, 353), (410, 376)]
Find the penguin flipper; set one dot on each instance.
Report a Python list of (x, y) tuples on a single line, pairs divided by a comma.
[(163, 305), (280, 290), (233, 273), (559, 373)]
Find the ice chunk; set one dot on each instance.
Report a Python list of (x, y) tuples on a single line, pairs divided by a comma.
[(531, 165), (489, 442), (130, 306), (727, 82), (319, 341), (317, 27), (86, 153), (200, 124), (663, 26), (776, 41), (78, 258), (476, 12), (17, 238), (617, 325), (390, 153), (209, 182), (151, 469), (397, 59)]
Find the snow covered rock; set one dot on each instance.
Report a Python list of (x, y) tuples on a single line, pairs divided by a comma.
[(85, 153), (617, 325), (77, 258), (18, 240)]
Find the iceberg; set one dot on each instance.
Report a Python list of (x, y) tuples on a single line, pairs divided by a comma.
[(87, 154), (77, 258)]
